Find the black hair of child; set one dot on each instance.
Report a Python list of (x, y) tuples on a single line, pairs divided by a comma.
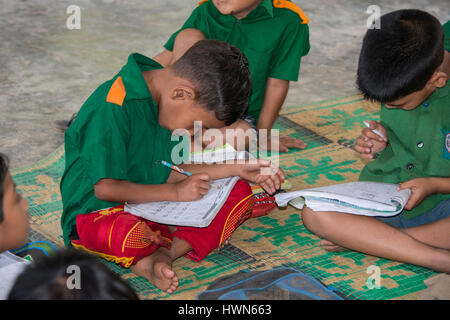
[(221, 76), (401, 56), (53, 278)]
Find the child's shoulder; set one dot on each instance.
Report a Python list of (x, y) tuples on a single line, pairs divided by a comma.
[(281, 8), (289, 10), (110, 93), (107, 100)]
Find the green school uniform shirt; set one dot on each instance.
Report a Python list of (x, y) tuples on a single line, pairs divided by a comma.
[(273, 39), (419, 147), (447, 35), (115, 135)]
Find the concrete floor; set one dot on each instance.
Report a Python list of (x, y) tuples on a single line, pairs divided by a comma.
[(48, 71)]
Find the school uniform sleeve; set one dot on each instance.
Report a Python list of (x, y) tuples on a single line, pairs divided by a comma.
[(293, 45), (195, 21), (447, 35), (103, 144)]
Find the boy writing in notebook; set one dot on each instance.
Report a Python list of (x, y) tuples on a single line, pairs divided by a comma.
[(273, 35), (404, 66), (114, 150)]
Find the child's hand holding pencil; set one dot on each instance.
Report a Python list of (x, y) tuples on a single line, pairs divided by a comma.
[(372, 140), (193, 188)]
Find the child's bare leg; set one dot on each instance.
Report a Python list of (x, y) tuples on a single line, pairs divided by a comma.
[(184, 40), (436, 234), (368, 235), (157, 267), (329, 246)]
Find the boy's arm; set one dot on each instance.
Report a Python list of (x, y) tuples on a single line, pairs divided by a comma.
[(442, 185), (188, 189), (276, 92), (163, 58), (181, 188), (421, 188)]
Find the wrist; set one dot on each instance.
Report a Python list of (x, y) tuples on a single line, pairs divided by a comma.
[(172, 192), (236, 170), (439, 185)]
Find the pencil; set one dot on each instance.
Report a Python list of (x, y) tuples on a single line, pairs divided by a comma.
[(374, 130), (178, 169)]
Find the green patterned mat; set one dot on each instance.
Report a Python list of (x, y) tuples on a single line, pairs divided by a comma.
[(280, 239)]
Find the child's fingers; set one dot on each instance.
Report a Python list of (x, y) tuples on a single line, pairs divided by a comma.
[(406, 185), (377, 126), (363, 145), (411, 202), (204, 186), (282, 148), (290, 142), (367, 155), (372, 135), (269, 186), (281, 174), (203, 183), (276, 181), (203, 176)]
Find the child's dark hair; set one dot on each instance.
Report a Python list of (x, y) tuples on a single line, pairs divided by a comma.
[(3, 172), (221, 76), (49, 279), (400, 57)]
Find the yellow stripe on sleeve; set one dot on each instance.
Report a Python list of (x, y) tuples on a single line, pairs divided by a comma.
[(284, 4)]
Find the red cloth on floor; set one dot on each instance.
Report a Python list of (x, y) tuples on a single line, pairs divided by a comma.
[(121, 237), (263, 204)]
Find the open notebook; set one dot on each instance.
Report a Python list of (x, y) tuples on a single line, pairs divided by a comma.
[(361, 198), (198, 213)]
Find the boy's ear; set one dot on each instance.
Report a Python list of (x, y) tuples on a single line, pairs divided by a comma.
[(183, 93), (438, 80)]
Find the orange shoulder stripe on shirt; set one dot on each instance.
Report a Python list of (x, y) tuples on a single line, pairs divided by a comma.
[(293, 7), (117, 92), (202, 2)]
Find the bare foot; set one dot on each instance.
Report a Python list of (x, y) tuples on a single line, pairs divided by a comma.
[(330, 246), (157, 268)]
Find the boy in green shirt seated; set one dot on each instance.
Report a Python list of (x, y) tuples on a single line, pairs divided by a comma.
[(404, 66), (273, 35), (115, 146)]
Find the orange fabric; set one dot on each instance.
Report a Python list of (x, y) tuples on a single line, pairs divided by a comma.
[(202, 2), (117, 92), (293, 7)]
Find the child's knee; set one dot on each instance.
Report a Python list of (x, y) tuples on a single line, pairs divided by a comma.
[(316, 222)]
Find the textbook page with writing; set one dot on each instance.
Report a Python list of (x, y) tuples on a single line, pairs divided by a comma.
[(197, 213), (360, 198)]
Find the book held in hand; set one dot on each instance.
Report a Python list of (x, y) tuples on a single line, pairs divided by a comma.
[(360, 198)]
